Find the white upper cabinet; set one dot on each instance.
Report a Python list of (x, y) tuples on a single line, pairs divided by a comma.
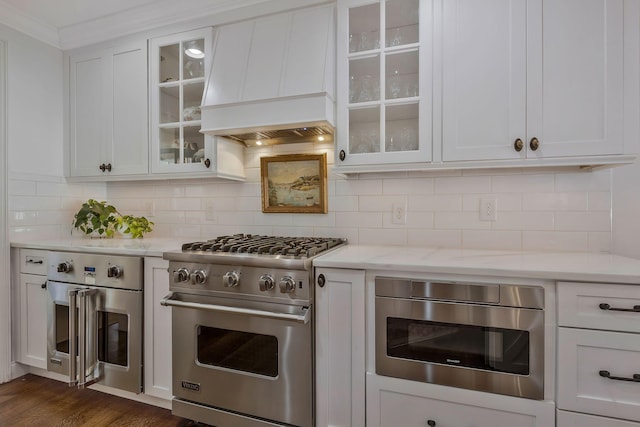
[(179, 65), (108, 124), (484, 86), (532, 79), (384, 81), (497, 83)]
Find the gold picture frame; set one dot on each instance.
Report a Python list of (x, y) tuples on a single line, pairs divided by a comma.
[(294, 183)]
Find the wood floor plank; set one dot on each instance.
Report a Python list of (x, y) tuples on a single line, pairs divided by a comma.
[(31, 401)]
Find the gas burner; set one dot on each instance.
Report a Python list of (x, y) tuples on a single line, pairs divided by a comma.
[(295, 247)]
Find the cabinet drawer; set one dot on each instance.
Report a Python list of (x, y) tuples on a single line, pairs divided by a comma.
[(33, 261), (400, 409), (572, 419), (598, 306), (583, 358)]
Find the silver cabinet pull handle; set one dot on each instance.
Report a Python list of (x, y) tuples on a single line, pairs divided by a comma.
[(73, 321), (169, 301)]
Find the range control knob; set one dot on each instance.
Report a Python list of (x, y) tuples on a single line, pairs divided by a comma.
[(231, 279), (65, 267), (287, 285), (181, 275), (198, 277), (266, 283), (114, 271)]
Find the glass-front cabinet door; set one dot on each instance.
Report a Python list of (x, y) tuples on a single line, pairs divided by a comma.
[(179, 66), (384, 81)]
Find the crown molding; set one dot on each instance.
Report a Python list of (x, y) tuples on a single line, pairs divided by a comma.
[(16, 19), (144, 18)]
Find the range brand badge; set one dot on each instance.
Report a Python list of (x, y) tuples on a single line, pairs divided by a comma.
[(191, 386)]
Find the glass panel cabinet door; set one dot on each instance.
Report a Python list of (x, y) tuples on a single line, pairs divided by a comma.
[(178, 72), (384, 81)]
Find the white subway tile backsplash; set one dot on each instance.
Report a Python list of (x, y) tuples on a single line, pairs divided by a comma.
[(555, 201), (524, 221), (583, 221), (376, 236), (359, 219), (359, 187), (584, 181), (447, 239), (407, 186), (460, 221), (538, 209), (435, 202), (600, 201), (463, 185), (563, 241), (505, 240)]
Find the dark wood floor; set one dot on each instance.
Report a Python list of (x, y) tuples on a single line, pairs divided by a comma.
[(36, 401)]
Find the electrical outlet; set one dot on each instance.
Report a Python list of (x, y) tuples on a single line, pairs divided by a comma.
[(399, 214), (488, 209)]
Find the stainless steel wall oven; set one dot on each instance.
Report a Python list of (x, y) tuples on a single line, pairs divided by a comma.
[(94, 317), (487, 337)]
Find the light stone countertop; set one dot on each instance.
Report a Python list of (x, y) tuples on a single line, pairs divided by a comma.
[(574, 266), (152, 247), (570, 266)]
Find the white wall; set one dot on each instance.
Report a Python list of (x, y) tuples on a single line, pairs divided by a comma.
[(41, 204), (565, 210), (626, 210)]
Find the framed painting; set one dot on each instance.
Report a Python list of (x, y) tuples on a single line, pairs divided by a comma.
[(295, 183)]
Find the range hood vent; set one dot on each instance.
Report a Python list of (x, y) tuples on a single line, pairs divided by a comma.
[(272, 79)]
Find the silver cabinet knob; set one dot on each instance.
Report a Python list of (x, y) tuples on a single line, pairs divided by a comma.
[(65, 267), (114, 271), (287, 285), (266, 283), (231, 279), (181, 275), (198, 277)]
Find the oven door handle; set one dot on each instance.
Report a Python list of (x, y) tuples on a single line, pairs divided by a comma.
[(73, 328), (169, 301)]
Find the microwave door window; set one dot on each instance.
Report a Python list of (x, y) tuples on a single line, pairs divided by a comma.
[(493, 349)]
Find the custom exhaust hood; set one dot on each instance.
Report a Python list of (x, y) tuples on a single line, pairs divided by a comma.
[(272, 79)]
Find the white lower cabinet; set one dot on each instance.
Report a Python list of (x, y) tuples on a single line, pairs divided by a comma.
[(340, 347), (30, 284), (572, 419), (33, 320), (157, 329), (393, 402), (598, 354)]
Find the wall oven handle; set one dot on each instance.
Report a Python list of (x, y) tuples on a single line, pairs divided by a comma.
[(169, 301), (84, 340), (73, 321)]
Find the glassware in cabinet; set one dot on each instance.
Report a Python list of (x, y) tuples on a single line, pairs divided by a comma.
[(179, 64)]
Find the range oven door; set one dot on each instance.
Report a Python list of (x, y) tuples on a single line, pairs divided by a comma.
[(250, 358), (102, 327), (473, 346)]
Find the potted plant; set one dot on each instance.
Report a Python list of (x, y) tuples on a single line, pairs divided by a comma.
[(96, 219), (134, 226)]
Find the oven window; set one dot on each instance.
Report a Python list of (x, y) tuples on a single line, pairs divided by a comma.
[(242, 351), (113, 338), (493, 349), (62, 329)]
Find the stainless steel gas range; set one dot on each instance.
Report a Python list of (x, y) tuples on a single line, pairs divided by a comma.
[(242, 310)]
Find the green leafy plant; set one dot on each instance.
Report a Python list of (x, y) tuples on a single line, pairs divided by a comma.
[(136, 226), (96, 217)]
